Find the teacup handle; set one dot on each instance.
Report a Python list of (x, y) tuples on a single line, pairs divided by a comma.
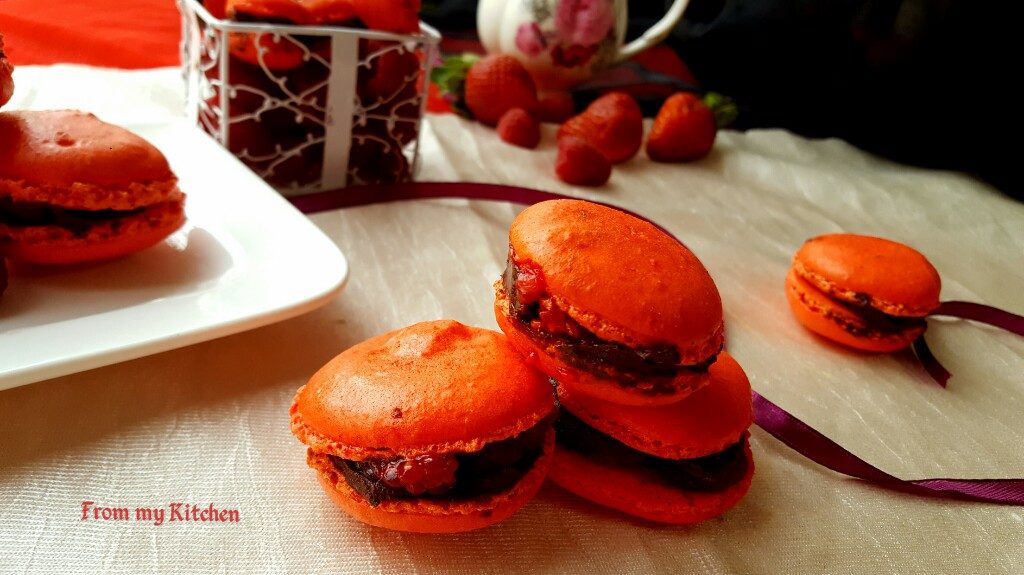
[(654, 34)]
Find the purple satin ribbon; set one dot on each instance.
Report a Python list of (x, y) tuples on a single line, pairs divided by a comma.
[(782, 425), (982, 313)]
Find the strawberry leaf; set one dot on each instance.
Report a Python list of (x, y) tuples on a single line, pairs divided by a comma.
[(724, 108), (450, 79)]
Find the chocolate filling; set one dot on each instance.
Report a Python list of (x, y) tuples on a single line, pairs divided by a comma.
[(875, 322), (582, 349), (494, 469), (26, 214), (713, 472)]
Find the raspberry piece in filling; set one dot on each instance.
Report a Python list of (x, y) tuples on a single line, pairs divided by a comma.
[(432, 474)]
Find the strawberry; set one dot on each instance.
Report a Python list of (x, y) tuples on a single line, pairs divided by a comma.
[(683, 130), (581, 164), (399, 16), (497, 83), (556, 107), (517, 127), (613, 123)]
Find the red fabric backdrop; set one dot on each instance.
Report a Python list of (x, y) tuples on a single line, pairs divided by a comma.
[(112, 33)]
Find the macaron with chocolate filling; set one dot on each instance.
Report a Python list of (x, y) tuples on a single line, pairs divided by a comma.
[(608, 304), (679, 463), (868, 293), (435, 428), (75, 189), (6, 75)]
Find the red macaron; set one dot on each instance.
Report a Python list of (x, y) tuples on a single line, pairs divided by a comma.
[(6, 75), (679, 463), (608, 304), (436, 428), (75, 189), (868, 293)]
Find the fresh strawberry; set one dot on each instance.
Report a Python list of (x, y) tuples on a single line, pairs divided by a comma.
[(399, 16), (581, 164), (556, 107), (517, 127), (683, 130), (496, 84), (613, 123)]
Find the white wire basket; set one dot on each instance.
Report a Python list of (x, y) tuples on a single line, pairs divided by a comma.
[(308, 108)]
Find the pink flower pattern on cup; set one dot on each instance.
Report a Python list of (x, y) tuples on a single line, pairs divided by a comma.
[(583, 22), (573, 33), (530, 39)]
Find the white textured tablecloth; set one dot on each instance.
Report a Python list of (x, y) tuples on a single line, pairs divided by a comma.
[(208, 423)]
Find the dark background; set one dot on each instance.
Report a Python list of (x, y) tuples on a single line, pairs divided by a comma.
[(930, 83)]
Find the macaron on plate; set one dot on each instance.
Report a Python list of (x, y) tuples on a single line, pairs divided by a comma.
[(127, 290)]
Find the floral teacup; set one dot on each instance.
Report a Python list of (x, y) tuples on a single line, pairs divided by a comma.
[(564, 42)]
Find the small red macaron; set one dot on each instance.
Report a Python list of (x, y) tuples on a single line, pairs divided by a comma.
[(6, 76), (608, 304), (868, 293), (434, 428), (679, 463), (75, 189)]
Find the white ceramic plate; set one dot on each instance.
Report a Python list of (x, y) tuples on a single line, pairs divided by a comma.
[(244, 259)]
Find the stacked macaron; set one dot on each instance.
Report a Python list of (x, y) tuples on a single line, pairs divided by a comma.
[(864, 292), (435, 428), (629, 323), (6, 91), (76, 189)]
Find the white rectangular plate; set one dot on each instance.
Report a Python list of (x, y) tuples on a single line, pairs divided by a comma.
[(245, 258)]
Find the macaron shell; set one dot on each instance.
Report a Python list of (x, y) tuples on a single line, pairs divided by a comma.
[(621, 277), (816, 312), (706, 422), (896, 278), (104, 240), (86, 196), (6, 78), (638, 493), (585, 383), (435, 386), (58, 149), (426, 516)]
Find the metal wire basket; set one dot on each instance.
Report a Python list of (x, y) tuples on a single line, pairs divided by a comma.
[(308, 108)]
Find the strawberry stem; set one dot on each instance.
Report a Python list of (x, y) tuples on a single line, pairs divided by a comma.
[(450, 79), (723, 107)]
